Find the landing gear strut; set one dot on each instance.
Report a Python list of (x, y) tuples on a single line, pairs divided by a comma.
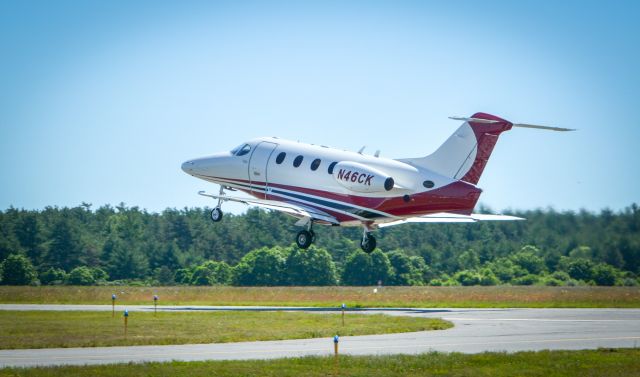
[(368, 242), (216, 213)]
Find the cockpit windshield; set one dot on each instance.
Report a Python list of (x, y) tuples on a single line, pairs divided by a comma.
[(241, 150)]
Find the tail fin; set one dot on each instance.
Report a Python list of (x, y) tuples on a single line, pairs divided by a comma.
[(465, 153)]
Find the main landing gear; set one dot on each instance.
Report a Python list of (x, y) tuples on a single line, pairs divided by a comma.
[(305, 237), (368, 242)]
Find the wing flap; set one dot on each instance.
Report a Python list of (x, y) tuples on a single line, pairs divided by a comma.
[(444, 217), (294, 209)]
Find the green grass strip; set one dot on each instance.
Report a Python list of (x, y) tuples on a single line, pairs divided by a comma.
[(601, 363), (43, 329), (422, 297)]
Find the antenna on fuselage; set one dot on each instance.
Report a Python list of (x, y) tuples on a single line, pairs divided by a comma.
[(362, 149), (377, 154)]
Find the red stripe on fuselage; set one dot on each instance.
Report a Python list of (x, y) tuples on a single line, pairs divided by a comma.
[(458, 197), (341, 217)]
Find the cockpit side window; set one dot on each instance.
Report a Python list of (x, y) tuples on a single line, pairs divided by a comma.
[(241, 150)]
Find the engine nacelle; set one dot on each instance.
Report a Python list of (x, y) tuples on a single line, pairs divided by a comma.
[(361, 178)]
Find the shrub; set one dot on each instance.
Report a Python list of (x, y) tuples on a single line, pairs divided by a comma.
[(525, 280), (560, 275), (201, 276), (53, 276), (577, 268), (312, 266), (551, 281), (603, 274), (82, 275), (467, 277), (261, 267), (17, 270), (99, 274), (528, 259), (223, 273), (182, 276), (506, 270), (487, 278)]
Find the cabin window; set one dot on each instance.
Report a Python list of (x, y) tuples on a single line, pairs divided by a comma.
[(280, 158), (331, 166), (297, 161), (315, 164), (428, 184)]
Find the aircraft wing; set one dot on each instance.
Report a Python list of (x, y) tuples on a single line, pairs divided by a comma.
[(444, 217), (294, 209)]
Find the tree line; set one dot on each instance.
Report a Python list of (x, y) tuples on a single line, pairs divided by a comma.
[(128, 245)]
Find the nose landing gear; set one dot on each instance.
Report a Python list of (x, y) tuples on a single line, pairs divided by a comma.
[(216, 213)]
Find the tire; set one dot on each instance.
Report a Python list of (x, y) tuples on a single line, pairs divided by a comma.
[(304, 239), (368, 244), (216, 215)]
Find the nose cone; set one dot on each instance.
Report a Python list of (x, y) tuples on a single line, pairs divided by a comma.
[(188, 167)]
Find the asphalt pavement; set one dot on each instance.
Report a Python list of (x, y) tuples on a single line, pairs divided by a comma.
[(475, 330)]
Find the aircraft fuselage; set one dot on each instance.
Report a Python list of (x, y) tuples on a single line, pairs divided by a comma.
[(317, 176)]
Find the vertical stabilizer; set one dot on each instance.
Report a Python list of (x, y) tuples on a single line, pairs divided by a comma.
[(466, 152)]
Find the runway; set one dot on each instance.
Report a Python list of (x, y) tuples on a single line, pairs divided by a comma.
[(475, 330)]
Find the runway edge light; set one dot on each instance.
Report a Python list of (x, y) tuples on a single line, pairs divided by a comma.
[(126, 317)]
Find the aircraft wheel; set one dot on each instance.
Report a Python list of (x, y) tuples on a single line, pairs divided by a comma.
[(216, 215), (304, 239), (368, 244)]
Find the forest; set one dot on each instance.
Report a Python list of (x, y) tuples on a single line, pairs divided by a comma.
[(126, 245)]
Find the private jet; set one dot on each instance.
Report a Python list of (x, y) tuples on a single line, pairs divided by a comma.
[(328, 186)]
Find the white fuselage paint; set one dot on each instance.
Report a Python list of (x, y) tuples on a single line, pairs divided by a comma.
[(259, 165), (259, 172)]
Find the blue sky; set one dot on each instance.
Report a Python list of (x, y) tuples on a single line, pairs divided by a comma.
[(102, 101)]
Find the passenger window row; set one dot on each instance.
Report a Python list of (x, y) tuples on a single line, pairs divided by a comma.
[(315, 164)]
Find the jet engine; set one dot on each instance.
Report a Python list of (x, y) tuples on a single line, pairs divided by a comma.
[(361, 178)]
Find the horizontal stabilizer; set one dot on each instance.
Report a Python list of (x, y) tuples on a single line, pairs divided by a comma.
[(444, 217), (521, 125)]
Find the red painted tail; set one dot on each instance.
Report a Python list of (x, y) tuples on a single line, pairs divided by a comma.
[(465, 153), (486, 138)]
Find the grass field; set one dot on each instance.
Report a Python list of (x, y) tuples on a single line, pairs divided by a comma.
[(601, 363), (427, 297), (42, 329)]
